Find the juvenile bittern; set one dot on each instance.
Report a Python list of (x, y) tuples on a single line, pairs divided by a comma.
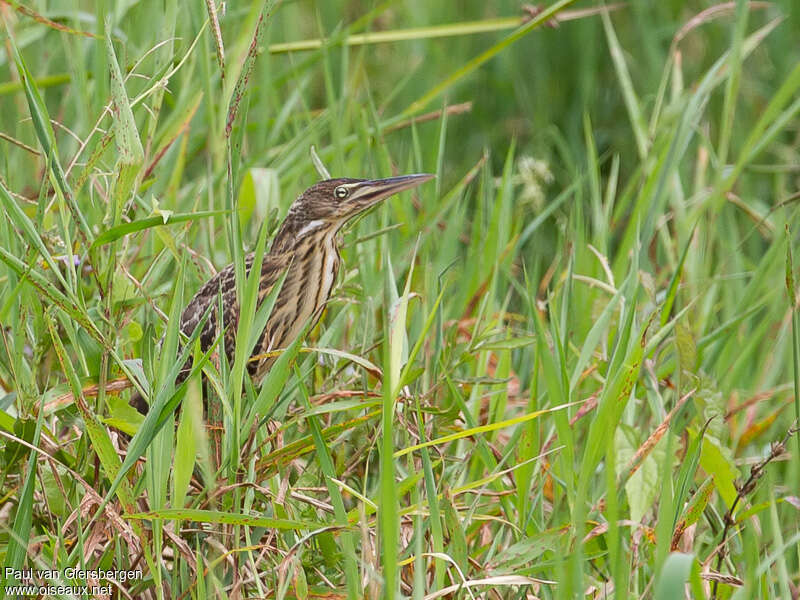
[(307, 247)]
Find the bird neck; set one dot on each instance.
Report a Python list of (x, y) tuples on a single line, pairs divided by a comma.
[(296, 231)]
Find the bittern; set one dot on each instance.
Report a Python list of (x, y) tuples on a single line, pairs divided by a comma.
[(307, 248)]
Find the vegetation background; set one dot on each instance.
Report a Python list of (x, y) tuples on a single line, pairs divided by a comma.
[(567, 368)]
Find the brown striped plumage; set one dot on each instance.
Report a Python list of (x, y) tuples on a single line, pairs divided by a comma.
[(307, 246), (314, 260)]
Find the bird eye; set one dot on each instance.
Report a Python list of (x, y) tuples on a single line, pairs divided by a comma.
[(341, 192)]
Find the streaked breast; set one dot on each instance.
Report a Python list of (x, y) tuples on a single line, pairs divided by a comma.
[(305, 292)]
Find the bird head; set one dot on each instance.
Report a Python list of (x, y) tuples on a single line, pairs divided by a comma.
[(336, 201), (326, 206)]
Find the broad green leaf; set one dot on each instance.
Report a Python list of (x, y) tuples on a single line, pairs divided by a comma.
[(676, 572), (720, 468), (641, 487)]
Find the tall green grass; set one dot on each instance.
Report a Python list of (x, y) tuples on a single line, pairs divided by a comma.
[(567, 368)]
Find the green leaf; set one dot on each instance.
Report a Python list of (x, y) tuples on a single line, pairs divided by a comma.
[(51, 292), (251, 316), (626, 84), (46, 136), (329, 471), (687, 350), (687, 471), (20, 220), (642, 487), (677, 570), (526, 550), (228, 518), (129, 146), (790, 288), (122, 415), (273, 383), (482, 429), (101, 441), (457, 548), (186, 444), (720, 468), (118, 231), (17, 548), (166, 397), (698, 502), (354, 358)]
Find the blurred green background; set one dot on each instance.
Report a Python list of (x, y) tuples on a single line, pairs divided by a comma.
[(612, 231)]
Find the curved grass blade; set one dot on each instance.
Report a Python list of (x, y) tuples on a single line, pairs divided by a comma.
[(484, 428), (113, 234), (213, 516), (129, 146), (47, 138), (41, 283)]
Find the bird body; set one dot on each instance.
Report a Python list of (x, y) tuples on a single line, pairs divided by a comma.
[(306, 247), (312, 266)]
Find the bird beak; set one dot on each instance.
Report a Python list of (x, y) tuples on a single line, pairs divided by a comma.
[(370, 192)]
